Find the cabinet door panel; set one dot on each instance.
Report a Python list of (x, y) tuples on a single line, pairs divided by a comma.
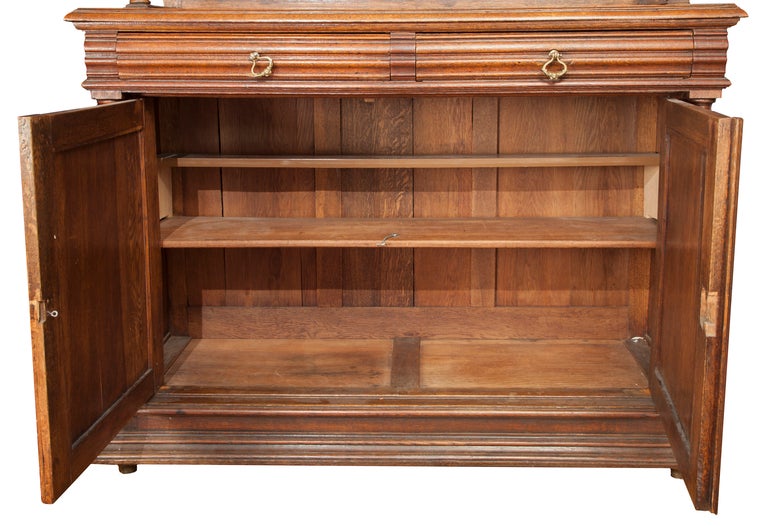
[(700, 158), (92, 258)]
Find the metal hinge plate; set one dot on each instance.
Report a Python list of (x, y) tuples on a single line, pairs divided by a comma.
[(40, 311), (710, 304)]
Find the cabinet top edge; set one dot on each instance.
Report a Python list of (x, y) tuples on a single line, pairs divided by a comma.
[(553, 19)]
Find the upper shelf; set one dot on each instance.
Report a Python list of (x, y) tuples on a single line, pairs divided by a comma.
[(412, 161)]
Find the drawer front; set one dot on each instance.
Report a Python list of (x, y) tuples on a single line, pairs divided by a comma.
[(519, 57), (302, 57)]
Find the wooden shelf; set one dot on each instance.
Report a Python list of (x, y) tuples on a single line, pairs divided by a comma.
[(548, 232), (412, 364), (421, 161)]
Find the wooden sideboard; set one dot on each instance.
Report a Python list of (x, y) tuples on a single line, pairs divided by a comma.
[(476, 232)]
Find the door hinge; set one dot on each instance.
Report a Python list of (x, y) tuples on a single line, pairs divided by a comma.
[(710, 304), (40, 311)]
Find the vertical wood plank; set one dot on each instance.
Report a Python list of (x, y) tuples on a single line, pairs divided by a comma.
[(380, 127), (531, 277), (640, 265), (156, 321), (264, 277), (485, 140), (443, 126), (133, 281), (600, 277), (176, 291), (266, 127), (165, 191), (328, 201)]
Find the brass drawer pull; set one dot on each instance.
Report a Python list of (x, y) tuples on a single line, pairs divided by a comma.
[(554, 58), (266, 72)]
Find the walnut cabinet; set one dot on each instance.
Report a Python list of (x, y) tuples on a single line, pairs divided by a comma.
[(493, 232)]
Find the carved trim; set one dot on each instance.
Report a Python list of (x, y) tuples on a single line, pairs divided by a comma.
[(403, 56), (101, 64), (710, 47)]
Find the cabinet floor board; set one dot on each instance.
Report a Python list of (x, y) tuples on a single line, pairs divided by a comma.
[(362, 364)]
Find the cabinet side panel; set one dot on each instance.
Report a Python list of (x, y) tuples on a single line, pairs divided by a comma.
[(193, 277)]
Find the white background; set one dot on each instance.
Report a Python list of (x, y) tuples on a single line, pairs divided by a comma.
[(42, 64)]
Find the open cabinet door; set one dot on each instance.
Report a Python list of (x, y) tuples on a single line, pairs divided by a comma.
[(699, 178), (92, 256)]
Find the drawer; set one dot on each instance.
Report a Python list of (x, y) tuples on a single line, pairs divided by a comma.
[(519, 57), (295, 57)]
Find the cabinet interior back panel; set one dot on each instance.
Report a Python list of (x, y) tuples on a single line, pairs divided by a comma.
[(401, 277)]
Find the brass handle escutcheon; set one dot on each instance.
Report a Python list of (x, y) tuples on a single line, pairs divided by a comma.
[(554, 58), (267, 71)]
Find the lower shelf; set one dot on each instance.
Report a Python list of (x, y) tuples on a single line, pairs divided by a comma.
[(403, 401), (404, 363)]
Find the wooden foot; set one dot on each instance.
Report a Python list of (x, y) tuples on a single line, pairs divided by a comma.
[(676, 474), (125, 469)]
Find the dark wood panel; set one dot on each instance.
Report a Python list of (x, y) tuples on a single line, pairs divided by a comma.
[(93, 279), (699, 179)]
